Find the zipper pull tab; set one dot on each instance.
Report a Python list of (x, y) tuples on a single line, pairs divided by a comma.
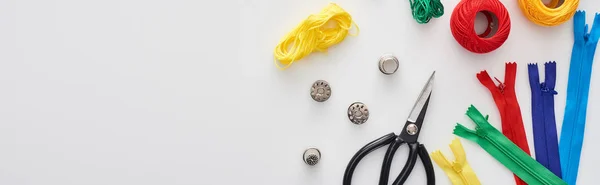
[(501, 85), (594, 34), (481, 132), (546, 90), (457, 167)]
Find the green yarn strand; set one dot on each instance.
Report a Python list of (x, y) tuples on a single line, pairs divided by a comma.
[(424, 10)]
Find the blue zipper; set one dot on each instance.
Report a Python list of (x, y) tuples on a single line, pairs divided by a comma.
[(543, 117), (580, 71)]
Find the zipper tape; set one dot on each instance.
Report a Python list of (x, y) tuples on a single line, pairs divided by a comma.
[(510, 112), (459, 171), (543, 118), (568, 126), (505, 151), (580, 71)]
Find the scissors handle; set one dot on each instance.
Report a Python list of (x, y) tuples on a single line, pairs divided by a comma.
[(364, 151), (387, 162), (424, 155), (416, 151)]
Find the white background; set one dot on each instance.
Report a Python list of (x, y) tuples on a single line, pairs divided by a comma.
[(155, 92)]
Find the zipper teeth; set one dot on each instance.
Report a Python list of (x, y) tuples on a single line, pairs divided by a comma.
[(520, 163), (543, 116), (463, 178)]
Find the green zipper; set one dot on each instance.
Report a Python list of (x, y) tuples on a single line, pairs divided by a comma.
[(505, 151)]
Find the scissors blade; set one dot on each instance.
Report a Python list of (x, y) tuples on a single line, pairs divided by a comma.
[(423, 98)]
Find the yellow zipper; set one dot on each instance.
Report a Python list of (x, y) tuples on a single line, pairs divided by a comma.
[(459, 171)]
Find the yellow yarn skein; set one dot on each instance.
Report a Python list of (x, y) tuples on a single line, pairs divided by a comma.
[(549, 15), (317, 33)]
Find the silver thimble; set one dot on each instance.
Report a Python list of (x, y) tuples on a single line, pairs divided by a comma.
[(358, 113), (320, 91), (311, 156), (388, 64)]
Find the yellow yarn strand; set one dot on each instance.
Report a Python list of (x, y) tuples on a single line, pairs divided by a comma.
[(548, 15), (459, 171), (317, 33)]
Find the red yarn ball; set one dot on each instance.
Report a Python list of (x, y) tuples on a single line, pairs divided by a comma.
[(462, 25)]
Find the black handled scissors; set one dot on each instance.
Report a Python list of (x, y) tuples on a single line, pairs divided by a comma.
[(409, 135)]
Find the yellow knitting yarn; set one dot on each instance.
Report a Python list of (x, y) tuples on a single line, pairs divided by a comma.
[(549, 15), (317, 33)]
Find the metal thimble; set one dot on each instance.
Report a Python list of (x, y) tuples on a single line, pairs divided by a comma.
[(358, 113), (311, 156), (320, 91), (388, 64)]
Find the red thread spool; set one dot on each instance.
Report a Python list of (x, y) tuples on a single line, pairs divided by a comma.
[(462, 24)]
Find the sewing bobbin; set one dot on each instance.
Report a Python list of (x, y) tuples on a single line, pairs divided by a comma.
[(358, 113), (320, 91)]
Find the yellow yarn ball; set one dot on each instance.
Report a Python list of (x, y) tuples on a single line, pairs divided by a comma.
[(548, 15)]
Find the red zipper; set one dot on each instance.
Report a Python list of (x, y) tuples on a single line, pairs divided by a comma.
[(505, 98)]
